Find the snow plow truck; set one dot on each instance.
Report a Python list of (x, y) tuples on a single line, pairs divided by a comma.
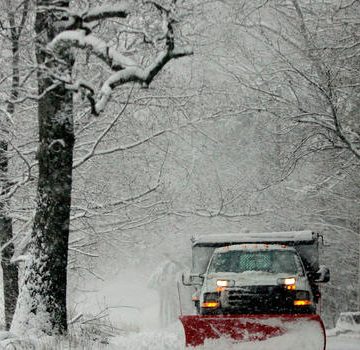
[(251, 287)]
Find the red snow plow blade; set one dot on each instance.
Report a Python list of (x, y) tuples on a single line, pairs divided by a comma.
[(305, 331)]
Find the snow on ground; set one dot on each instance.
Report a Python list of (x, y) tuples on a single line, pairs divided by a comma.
[(343, 343), (132, 304), (133, 307), (166, 339), (173, 339), (125, 298)]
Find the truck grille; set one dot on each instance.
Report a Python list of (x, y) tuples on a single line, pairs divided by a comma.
[(257, 298)]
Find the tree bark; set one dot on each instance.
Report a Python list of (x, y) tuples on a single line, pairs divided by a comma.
[(9, 269), (42, 302)]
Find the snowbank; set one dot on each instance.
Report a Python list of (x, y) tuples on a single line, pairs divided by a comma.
[(172, 338)]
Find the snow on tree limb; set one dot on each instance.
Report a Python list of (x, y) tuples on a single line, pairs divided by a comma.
[(96, 14), (124, 69), (100, 48), (106, 11), (138, 74)]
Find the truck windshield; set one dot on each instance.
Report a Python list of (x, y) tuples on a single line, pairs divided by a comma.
[(272, 261)]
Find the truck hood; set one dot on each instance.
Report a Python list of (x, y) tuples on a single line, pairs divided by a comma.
[(252, 278)]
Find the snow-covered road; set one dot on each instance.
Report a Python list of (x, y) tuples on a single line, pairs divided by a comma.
[(173, 339), (343, 343), (171, 342), (169, 339), (143, 318)]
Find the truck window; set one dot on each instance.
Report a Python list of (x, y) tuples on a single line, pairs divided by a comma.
[(272, 261), (201, 257)]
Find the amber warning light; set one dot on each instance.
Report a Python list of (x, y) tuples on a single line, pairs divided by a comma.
[(210, 304), (302, 302)]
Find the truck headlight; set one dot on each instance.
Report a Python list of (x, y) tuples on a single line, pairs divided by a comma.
[(225, 283), (222, 284), (289, 283)]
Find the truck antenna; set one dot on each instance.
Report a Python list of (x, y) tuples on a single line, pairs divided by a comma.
[(178, 290)]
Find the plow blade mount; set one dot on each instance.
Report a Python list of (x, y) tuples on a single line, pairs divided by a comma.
[(301, 331)]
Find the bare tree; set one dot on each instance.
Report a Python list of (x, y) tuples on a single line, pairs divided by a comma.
[(42, 301), (301, 71), (310, 77), (14, 29)]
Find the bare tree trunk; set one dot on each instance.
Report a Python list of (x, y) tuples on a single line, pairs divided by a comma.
[(10, 270), (42, 302)]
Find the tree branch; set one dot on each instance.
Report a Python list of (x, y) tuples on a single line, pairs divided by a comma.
[(126, 70), (107, 11)]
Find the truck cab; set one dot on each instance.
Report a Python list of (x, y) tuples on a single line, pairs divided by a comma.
[(259, 273), (256, 278)]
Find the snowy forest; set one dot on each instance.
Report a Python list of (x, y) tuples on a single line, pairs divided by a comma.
[(127, 127)]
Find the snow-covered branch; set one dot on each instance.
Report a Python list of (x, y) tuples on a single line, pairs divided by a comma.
[(138, 74), (78, 38), (75, 19), (106, 11), (124, 68)]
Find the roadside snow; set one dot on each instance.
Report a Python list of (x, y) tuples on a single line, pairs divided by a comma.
[(125, 297), (134, 308), (171, 338), (166, 339), (343, 343)]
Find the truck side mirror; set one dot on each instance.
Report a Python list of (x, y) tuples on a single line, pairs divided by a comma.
[(189, 279), (322, 275)]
